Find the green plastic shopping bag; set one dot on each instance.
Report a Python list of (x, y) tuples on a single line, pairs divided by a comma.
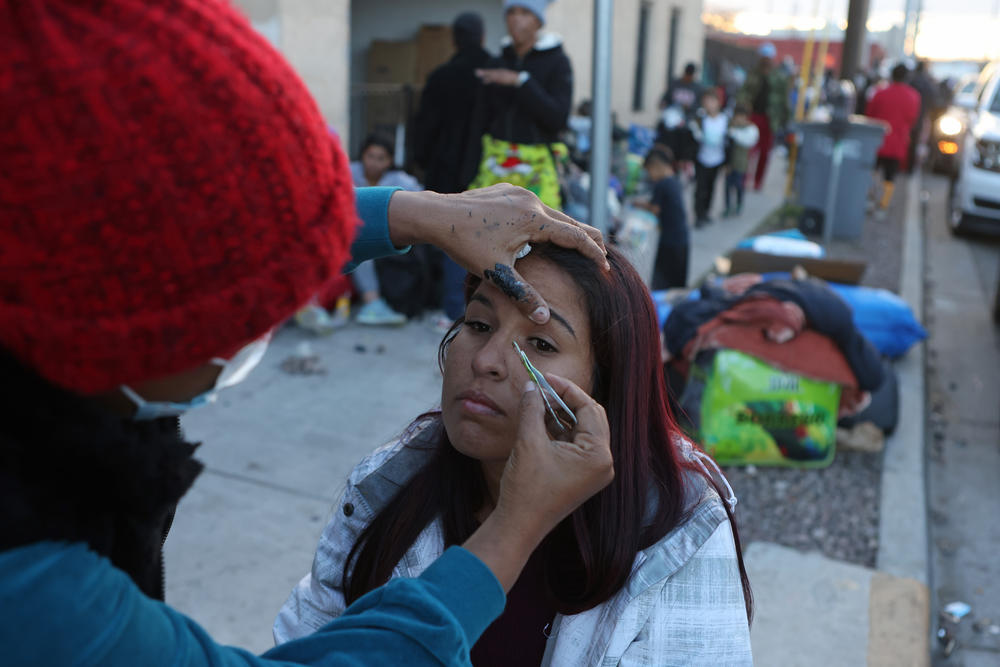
[(752, 412)]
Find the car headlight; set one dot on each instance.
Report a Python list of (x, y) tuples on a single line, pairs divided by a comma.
[(986, 155), (949, 126)]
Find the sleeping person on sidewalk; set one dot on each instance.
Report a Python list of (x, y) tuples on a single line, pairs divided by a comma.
[(649, 571)]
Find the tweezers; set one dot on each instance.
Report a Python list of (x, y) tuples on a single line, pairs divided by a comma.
[(549, 395)]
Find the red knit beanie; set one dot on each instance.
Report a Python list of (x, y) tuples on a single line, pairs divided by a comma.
[(168, 189)]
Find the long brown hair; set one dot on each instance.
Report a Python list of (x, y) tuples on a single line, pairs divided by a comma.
[(589, 555)]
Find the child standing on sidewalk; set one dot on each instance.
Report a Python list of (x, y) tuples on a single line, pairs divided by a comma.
[(743, 136), (667, 203), (710, 133)]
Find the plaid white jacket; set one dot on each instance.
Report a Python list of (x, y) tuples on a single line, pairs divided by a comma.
[(682, 604)]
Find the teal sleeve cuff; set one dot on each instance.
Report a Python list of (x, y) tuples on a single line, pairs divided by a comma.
[(373, 239), (463, 584)]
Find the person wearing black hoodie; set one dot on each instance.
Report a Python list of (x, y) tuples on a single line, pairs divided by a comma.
[(445, 144), (447, 137), (526, 105)]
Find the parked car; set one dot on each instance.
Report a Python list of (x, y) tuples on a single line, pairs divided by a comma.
[(947, 127), (974, 195)]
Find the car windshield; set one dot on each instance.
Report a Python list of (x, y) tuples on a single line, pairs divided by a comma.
[(995, 104)]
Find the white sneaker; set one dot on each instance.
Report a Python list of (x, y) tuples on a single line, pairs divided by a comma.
[(315, 319), (378, 313)]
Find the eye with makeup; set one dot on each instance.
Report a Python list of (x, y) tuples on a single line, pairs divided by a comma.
[(542, 345), (476, 326)]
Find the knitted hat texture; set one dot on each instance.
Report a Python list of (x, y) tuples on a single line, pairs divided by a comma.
[(168, 189)]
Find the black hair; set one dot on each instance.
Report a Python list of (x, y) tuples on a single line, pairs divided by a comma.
[(378, 139), (741, 109), (690, 69), (899, 73), (467, 31), (659, 153)]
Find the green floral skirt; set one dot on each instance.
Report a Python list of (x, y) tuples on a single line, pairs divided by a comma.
[(531, 166)]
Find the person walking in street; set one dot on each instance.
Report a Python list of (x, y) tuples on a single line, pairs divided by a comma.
[(529, 91), (742, 136), (709, 130), (898, 104), (151, 243), (765, 93), (447, 138), (650, 572), (925, 85), (667, 203)]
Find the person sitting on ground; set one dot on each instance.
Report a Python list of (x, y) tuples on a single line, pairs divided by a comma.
[(667, 204), (650, 570), (741, 137), (710, 132), (375, 168)]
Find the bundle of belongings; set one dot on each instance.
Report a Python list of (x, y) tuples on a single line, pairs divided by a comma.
[(768, 368)]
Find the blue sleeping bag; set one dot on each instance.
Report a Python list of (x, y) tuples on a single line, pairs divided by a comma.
[(884, 318)]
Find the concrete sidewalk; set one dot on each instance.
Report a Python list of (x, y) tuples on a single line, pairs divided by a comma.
[(812, 610), (279, 446)]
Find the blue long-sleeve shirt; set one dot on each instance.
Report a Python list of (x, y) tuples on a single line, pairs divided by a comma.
[(62, 604), (373, 239)]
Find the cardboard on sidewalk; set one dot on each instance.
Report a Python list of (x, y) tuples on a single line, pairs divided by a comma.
[(834, 270)]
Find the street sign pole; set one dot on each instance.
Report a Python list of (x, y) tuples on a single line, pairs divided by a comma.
[(854, 38), (600, 140)]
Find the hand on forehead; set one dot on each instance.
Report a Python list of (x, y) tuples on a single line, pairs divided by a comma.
[(566, 301)]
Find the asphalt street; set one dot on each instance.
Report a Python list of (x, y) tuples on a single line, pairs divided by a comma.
[(963, 432)]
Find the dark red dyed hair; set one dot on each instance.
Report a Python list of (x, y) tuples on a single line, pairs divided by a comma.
[(589, 556)]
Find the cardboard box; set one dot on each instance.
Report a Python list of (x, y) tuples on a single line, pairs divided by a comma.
[(392, 62), (834, 270), (434, 48)]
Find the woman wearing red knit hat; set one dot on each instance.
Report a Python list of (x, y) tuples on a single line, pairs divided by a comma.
[(169, 195)]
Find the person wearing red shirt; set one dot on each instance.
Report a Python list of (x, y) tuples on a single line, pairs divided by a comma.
[(898, 104)]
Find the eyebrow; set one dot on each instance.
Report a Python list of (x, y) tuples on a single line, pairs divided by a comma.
[(556, 316)]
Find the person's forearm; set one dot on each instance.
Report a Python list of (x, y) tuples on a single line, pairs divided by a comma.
[(504, 547), (409, 215)]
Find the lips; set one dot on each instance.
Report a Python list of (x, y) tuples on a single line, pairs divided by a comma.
[(479, 403)]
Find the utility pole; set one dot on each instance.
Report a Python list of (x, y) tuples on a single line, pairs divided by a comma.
[(905, 43), (854, 38), (918, 12), (600, 140)]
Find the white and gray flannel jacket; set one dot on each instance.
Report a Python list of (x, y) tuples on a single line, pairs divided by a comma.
[(682, 604)]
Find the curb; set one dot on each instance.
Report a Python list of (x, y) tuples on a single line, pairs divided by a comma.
[(903, 541)]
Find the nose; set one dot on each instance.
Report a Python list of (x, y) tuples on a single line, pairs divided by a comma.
[(493, 358)]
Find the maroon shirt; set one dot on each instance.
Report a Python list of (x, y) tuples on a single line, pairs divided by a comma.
[(518, 637)]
